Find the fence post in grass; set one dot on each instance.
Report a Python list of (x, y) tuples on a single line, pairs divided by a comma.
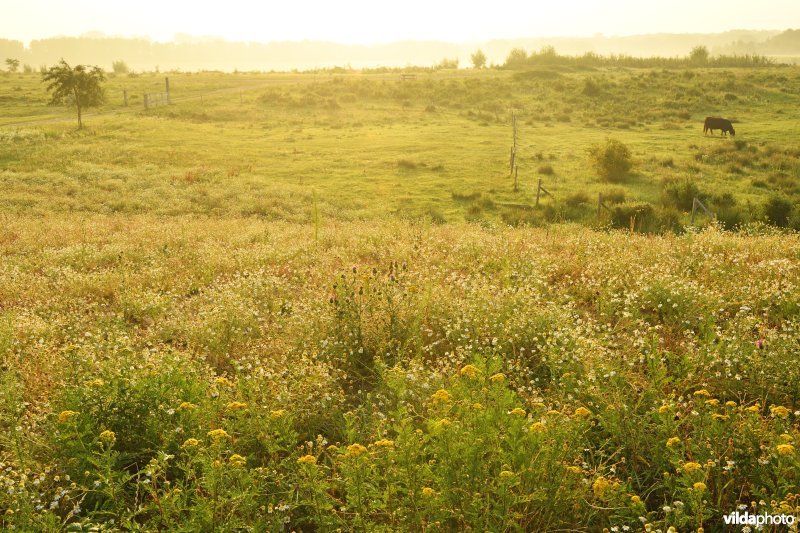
[(599, 202), (514, 125), (125, 96), (166, 83), (697, 203), (538, 191), (146, 103), (516, 170)]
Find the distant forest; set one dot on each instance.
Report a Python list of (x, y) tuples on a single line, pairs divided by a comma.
[(191, 53)]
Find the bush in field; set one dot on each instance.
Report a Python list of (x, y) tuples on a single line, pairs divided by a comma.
[(699, 55), (478, 59), (633, 216), (777, 210), (612, 160), (12, 64), (120, 67), (517, 58), (681, 194), (447, 64)]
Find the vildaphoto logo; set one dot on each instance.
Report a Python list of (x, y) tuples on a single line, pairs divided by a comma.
[(747, 519)]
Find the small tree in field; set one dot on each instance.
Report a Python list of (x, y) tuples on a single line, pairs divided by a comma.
[(12, 64), (478, 59), (517, 58), (612, 160), (120, 67), (79, 86), (699, 55)]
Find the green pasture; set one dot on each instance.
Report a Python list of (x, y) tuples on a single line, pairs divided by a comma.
[(367, 146)]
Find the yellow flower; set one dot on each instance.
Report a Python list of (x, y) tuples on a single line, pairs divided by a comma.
[(307, 460), (553, 412), (785, 449), (600, 486), (332, 448), (575, 469), (730, 403), (779, 411), (700, 486), (582, 412), (186, 406), (236, 406), (673, 441), (442, 396), (237, 460), (702, 392), (538, 427), (218, 434), (66, 416), (223, 381), (470, 371), (354, 450), (190, 443), (518, 411), (756, 408), (108, 437), (636, 499), (384, 443), (786, 437), (664, 409), (276, 414), (712, 402), (691, 467), (97, 382), (505, 474), (498, 378), (427, 491), (444, 423), (717, 416), (477, 406)]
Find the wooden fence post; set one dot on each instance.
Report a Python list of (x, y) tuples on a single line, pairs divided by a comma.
[(125, 96), (146, 101), (538, 190), (697, 203), (166, 82), (516, 170)]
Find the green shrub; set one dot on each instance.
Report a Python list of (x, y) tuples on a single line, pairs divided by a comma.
[(681, 194), (577, 199), (614, 195), (638, 216), (612, 160), (547, 170), (777, 210)]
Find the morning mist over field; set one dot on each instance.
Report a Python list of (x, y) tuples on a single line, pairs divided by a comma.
[(244, 36)]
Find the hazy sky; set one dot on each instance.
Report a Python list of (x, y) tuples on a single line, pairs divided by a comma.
[(357, 21)]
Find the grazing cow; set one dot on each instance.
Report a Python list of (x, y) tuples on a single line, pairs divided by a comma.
[(716, 123)]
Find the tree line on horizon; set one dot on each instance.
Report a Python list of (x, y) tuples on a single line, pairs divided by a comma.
[(143, 54)]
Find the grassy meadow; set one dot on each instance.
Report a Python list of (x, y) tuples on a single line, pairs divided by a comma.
[(315, 302)]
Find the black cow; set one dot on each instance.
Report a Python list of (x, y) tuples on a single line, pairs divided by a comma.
[(716, 123)]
